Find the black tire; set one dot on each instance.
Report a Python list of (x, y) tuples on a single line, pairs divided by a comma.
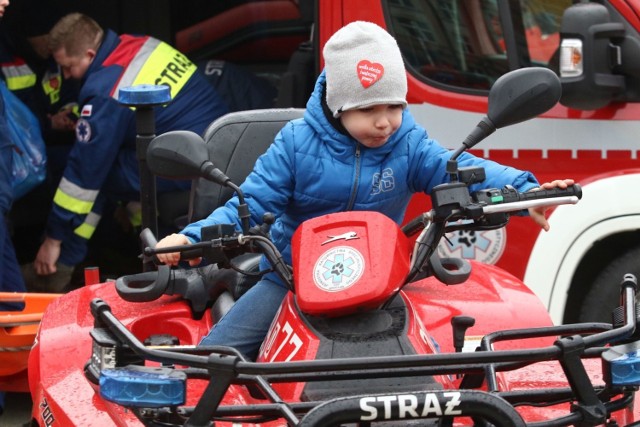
[(604, 294)]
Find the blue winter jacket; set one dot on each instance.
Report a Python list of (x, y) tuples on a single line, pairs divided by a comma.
[(313, 169)]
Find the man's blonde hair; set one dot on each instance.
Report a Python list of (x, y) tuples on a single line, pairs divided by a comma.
[(75, 33)]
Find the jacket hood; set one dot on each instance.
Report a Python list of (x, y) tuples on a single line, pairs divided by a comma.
[(342, 144)]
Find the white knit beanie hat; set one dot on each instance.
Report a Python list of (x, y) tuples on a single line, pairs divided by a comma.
[(364, 67)]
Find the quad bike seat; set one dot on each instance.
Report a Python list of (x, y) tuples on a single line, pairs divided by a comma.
[(235, 141)]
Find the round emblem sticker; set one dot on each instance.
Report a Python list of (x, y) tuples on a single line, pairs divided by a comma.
[(484, 246), (338, 269), (83, 130)]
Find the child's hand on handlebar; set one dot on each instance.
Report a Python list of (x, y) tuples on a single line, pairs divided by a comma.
[(174, 257), (538, 214)]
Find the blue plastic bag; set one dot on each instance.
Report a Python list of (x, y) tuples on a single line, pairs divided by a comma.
[(29, 166)]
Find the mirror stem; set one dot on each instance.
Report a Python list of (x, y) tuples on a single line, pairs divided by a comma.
[(484, 128)]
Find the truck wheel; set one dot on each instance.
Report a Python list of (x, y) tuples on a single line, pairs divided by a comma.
[(604, 294)]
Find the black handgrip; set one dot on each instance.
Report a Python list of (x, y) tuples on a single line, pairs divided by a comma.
[(211, 249), (508, 194), (572, 190), (191, 254), (149, 242), (186, 251)]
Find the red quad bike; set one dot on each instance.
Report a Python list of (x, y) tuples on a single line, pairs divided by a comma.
[(373, 332)]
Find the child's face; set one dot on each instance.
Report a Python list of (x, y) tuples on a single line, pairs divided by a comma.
[(372, 126)]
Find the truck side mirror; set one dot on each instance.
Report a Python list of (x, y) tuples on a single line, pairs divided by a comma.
[(590, 57)]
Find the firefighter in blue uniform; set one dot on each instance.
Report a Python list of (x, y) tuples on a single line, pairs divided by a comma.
[(102, 164)]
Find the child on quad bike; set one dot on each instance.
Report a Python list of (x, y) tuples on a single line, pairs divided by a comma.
[(356, 148)]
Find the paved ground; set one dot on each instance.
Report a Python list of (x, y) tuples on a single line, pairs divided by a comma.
[(17, 410)]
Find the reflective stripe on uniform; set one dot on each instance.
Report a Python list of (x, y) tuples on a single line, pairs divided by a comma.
[(86, 229), (157, 63), (18, 75), (73, 198)]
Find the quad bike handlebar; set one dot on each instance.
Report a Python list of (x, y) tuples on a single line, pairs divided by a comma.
[(461, 205), (454, 208), (486, 208)]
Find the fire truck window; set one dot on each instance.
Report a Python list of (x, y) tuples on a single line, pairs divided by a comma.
[(460, 42), (542, 21)]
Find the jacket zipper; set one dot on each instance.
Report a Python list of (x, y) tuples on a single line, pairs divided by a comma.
[(354, 190)]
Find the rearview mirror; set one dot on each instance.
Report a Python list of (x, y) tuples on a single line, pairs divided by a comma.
[(177, 154), (522, 95)]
